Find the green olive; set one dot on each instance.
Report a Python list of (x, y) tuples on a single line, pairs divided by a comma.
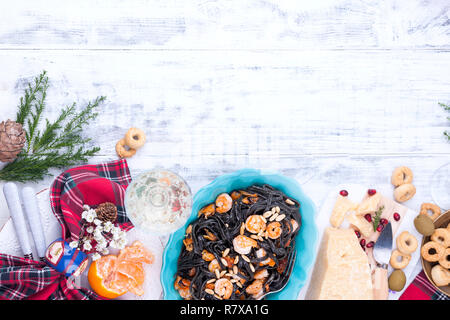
[(397, 280), (424, 224)]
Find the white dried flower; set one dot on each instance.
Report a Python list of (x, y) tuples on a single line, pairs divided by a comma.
[(98, 236), (97, 222), (107, 227), (87, 245), (86, 207), (90, 215), (90, 229), (105, 251), (73, 244), (96, 256)]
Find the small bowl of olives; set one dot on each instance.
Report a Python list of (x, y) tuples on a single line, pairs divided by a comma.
[(441, 222)]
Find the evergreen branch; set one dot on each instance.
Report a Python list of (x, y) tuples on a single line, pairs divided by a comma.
[(30, 95), (377, 218), (59, 145), (446, 108)]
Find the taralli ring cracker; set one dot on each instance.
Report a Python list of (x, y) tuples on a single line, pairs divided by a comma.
[(441, 236), (401, 175), (445, 259), (406, 243), (425, 207), (404, 192), (122, 151), (399, 260), (135, 138), (432, 251)]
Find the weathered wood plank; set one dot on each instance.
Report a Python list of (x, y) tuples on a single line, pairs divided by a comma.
[(235, 24), (249, 103)]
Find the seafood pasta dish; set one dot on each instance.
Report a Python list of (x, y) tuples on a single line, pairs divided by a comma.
[(240, 246)]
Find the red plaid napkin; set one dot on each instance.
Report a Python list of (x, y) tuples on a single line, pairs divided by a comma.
[(422, 289), (90, 184)]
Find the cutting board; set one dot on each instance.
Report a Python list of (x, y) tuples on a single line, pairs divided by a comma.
[(356, 194)]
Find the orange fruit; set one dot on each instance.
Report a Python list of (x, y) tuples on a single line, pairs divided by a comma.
[(111, 276), (100, 278)]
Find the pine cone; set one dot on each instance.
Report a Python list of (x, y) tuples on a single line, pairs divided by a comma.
[(106, 212), (12, 140)]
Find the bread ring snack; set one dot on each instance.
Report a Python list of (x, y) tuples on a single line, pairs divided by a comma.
[(399, 260), (441, 236), (404, 192), (440, 276), (406, 243), (122, 151), (401, 175), (445, 259), (432, 251), (135, 138), (425, 207)]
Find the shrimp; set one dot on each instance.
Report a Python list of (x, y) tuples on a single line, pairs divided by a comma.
[(223, 288), (294, 225), (185, 293), (255, 288), (261, 274), (214, 265), (207, 211), (224, 203), (243, 244), (255, 224), (207, 256), (269, 261), (182, 286), (274, 230)]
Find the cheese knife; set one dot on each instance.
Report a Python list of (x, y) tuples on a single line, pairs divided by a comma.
[(382, 254)]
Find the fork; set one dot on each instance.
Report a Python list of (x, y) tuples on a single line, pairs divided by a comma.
[(286, 274)]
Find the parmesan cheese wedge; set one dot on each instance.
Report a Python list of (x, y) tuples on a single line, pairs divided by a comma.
[(341, 207), (364, 226), (341, 271), (369, 205)]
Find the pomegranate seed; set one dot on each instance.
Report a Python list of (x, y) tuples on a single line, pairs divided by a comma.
[(384, 221), (396, 216), (358, 234), (370, 244), (380, 227), (368, 217), (371, 192), (362, 242), (343, 193)]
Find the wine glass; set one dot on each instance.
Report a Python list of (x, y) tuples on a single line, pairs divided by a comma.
[(440, 187)]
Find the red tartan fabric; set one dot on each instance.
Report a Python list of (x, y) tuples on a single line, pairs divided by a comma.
[(90, 184), (28, 279), (422, 289)]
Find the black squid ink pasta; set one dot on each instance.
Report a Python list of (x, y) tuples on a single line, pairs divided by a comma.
[(240, 246)]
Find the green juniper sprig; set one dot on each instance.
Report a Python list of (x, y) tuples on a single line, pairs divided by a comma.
[(59, 144), (377, 218), (446, 108)]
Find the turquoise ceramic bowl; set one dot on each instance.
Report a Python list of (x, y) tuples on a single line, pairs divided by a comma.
[(306, 240)]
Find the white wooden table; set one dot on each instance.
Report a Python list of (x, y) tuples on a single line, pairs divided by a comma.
[(326, 92)]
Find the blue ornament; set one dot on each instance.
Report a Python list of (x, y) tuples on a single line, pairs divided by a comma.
[(65, 259)]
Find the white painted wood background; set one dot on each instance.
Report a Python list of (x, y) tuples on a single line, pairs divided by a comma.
[(327, 92)]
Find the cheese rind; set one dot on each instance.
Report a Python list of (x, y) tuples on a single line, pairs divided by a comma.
[(342, 270)]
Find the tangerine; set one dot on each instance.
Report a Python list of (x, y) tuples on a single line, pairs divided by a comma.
[(112, 276)]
